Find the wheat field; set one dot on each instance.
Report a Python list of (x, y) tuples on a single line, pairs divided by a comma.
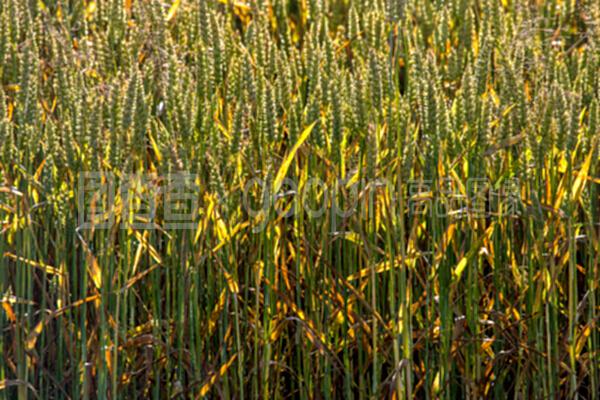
[(307, 199)]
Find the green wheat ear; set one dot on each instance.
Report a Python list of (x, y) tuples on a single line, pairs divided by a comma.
[(592, 130), (4, 124), (3, 106)]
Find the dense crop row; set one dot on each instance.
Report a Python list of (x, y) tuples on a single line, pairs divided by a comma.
[(460, 137)]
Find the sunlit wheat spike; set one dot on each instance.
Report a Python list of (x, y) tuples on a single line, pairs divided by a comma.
[(96, 131), (375, 82), (562, 116), (442, 117), (371, 144), (593, 127), (130, 101), (3, 106), (115, 126), (313, 113), (329, 67), (4, 127), (233, 81), (354, 29), (294, 122), (482, 65), (337, 115), (238, 124), (56, 151), (284, 83), (29, 80), (215, 179), (141, 115), (316, 9), (573, 132)]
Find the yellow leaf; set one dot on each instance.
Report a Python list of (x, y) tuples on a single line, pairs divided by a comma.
[(379, 268), (231, 283), (228, 238), (475, 249), (44, 267), (352, 237), (237, 5), (202, 225), (486, 346), (353, 180), (14, 88), (582, 340), (9, 311), (285, 165), (173, 10), (579, 183), (61, 310), (35, 333), (38, 171), (436, 387), (527, 91), (475, 44), (138, 255), (422, 196), (460, 267), (90, 9), (222, 128), (95, 271), (214, 316), (10, 110), (143, 239), (582, 176), (213, 379), (494, 95), (108, 357), (221, 228)]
